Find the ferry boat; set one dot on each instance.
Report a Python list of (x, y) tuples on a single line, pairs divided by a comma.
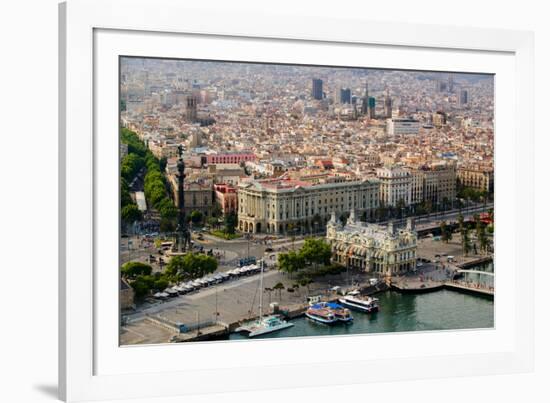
[(267, 324), (320, 313), (353, 300), (341, 313)]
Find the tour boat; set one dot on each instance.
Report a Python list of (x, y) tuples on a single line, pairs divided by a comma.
[(321, 314), (341, 313), (267, 324), (353, 300)]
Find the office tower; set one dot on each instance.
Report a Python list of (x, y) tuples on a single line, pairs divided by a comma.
[(388, 106), (450, 86), (440, 86), (372, 108), (365, 101), (317, 89), (345, 96), (463, 97)]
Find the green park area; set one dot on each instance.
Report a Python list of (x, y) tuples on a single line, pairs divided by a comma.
[(180, 268), (312, 260)]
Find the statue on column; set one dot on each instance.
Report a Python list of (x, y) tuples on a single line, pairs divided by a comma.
[(183, 237)]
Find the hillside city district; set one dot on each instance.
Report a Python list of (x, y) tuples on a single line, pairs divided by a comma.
[(313, 181)]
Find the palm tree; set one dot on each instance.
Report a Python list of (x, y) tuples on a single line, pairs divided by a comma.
[(482, 238), (269, 290), (292, 229), (279, 287), (445, 232), (460, 220), (305, 282), (466, 245)]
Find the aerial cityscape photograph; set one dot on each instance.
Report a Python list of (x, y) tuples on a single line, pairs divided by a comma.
[(264, 200)]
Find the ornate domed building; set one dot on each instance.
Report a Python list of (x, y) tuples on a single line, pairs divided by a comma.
[(371, 247)]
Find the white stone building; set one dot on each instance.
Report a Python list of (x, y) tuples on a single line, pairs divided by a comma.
[(395, 185), (284, 205), (402, 127), (373, 248)]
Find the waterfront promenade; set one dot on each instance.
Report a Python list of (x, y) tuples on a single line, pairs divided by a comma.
[(238, 299)]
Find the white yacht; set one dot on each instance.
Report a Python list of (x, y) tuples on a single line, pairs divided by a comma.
[(264, 324), (353, 300)]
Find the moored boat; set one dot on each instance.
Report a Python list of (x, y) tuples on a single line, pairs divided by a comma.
[(267, 324), (353, 300), (341, 313), (321, 314), (264, 324)]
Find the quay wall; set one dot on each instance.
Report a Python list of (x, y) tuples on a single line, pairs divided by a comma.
[(445, 286), (473, 263)]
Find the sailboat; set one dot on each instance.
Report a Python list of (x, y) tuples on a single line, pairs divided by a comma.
[(264, 324)]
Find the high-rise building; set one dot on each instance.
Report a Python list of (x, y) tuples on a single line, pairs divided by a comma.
[(372, 107), (365, 101), (388, 106), (345, 96), (451, 84), (440, 86), (317, 88), (463, 97)]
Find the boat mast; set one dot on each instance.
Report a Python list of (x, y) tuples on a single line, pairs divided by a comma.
[(261, 288)]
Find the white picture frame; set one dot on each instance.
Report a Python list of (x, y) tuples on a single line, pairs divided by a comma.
[(91, 364)]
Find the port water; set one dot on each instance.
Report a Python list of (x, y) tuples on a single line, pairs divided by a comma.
[(439, 310)]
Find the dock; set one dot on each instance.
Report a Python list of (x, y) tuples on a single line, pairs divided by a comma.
[(472, 263), (444, 285), (297, 310), (212, 332), (451, 285)]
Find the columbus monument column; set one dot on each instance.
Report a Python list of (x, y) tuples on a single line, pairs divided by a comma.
[(183, 237)]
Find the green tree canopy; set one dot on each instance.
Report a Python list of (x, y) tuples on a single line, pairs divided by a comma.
[(316, 251), (212, 221), (130, 213), (135, 145), (131, 270), (216, 210), (290, 262), (167, 225), (142, 286), (195, 216), (230, 223), (191, 265), (125, 197), (130, 166)]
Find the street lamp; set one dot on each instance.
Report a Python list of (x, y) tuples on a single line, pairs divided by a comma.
[(248, 237)]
